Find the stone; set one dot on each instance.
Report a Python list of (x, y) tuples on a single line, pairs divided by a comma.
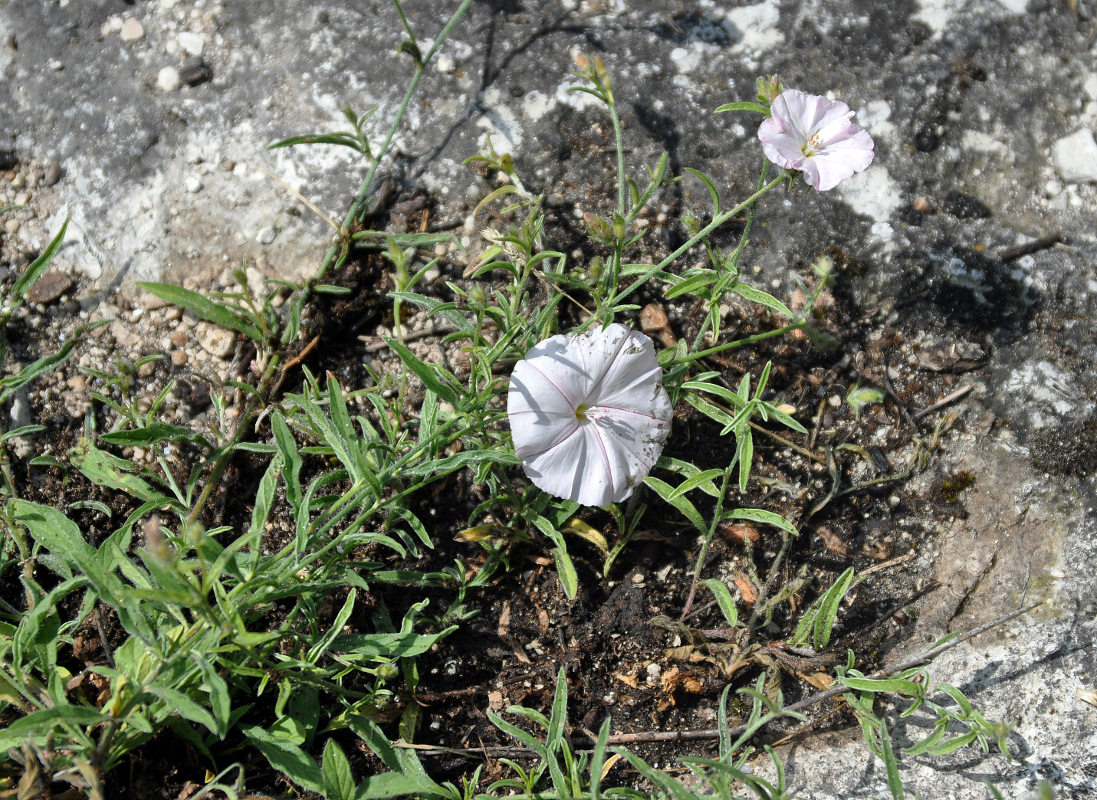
[(50, 287), (132, 30), (168, 79), (1075, 157), (192, 43), (179, 358), (51, 174), (124, 337), (195, 73), (215, 340)]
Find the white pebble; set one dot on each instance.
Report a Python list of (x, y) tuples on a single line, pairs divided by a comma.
[(192, 43), (132, 30), (266, 236), (168, 79), (193, 184)]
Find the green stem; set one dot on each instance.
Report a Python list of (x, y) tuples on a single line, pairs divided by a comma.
[(619, 140), (795, 326), (364, 192), (716, 222)]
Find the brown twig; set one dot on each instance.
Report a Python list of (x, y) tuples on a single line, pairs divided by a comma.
[(1035, 246), (779, 438), (944, 401)]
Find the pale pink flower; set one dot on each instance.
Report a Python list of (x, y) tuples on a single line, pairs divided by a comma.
[(816, 136), (589, 414)]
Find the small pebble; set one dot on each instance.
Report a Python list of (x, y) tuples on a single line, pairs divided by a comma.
[(49, 287), (18, 182), (194, 74), (51, 174), (11, 226), (193, 184), (191, 43), (132, 30), (77, 383), (266, 236), (146, 370), (215, 340), (179, 358), (179, 337), (227, 165), (168, 79)]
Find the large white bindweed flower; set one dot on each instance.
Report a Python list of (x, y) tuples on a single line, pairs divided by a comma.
[(816, 136), (589, 414)]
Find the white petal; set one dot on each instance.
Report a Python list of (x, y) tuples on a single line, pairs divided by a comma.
[(793, 108), (633, 442), (781, 146), (578, 469), (540, 416), (633, 382)]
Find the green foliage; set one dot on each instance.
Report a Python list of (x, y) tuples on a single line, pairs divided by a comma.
[(235, 636)]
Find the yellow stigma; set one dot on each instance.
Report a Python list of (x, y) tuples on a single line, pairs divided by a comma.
[(581, 411), (809, 148)]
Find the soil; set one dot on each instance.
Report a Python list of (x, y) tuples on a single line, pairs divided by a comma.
[(626, 649)]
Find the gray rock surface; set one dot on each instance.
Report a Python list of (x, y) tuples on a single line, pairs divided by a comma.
[(982, 112)]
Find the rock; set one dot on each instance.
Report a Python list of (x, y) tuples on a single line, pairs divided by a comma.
[(51, 174), (49, 287), (168, 79), (179, 337), (1075, 157), (179, 358), (215, 340), (193, 184), (123, 336), (151, 302), (132, 30), (266, 235), (192, 43), (195, 73)]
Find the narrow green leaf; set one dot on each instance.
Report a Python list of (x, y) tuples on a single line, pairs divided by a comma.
[(424, 371), (695, 481), (27, 280), (684, 506), (743, 106), (565, 569), (763, 298), (291, 458), (764, 517), (828, 610), (336, 628), (335, 768), (724, 600), (708, 185), (286, 757), (155, 432), (205, 308), (895, 783)]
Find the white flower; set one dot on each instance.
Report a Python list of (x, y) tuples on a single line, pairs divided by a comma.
[(817, 136), (589, 414)]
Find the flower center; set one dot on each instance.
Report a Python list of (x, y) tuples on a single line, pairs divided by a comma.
[(809, 147), (581, 411)]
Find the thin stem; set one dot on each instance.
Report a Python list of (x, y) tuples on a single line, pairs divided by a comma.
[(740, 342), (364, 192), (716, 222), (620, 146)]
